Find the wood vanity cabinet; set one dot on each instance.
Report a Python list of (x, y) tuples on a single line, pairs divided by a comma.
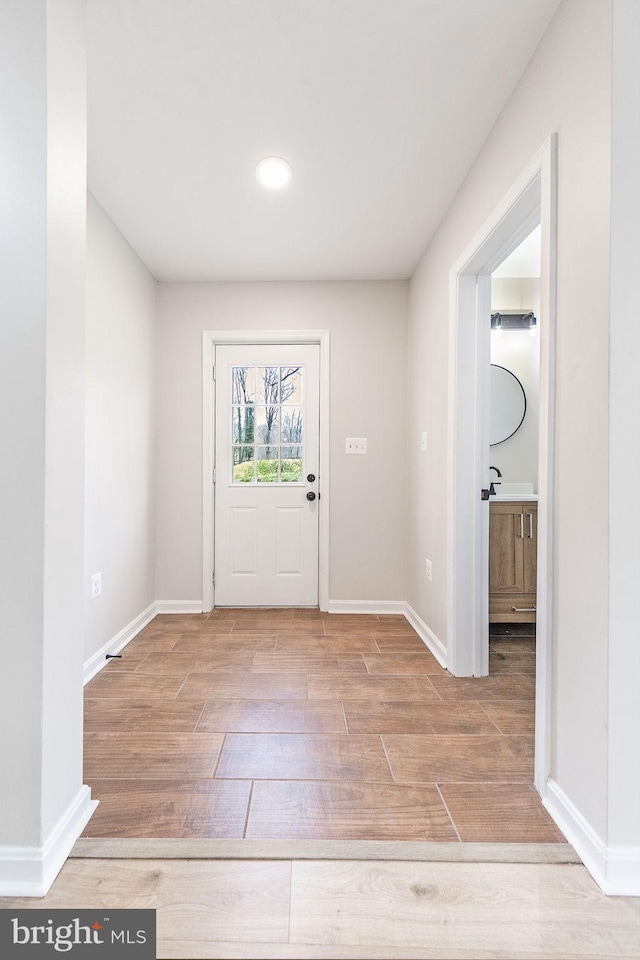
[(513, 545)]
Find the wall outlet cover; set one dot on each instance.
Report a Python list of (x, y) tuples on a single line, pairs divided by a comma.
[(96, 585), (427, 570)]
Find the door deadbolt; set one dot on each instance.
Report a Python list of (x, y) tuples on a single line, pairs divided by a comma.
[(311, 477)]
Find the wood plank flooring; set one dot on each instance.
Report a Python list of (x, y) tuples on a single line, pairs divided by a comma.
[(358, 910), (292, 724)]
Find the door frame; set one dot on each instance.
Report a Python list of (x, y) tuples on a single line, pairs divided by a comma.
[(531, 199), (211, 339)]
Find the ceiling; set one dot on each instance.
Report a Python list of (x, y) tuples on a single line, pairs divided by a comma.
[(380, 106)]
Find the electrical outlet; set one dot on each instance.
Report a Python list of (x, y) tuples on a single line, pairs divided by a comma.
[(96, 585), (355, 445), (427, 569), (423, 441)]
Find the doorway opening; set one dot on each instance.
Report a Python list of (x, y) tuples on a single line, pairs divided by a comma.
[(530, 202), (514, 395)]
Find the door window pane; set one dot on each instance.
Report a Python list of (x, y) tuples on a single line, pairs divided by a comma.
[(243, 467), (267, 464), (267, 426), (291, 464), (244, 384), (291, 384), (268, 385), (292, 425), (243, 424)]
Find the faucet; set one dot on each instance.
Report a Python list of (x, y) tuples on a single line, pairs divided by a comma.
[(492, 486)]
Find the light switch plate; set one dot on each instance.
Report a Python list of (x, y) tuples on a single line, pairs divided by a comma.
[(355, 445), (423, 441)]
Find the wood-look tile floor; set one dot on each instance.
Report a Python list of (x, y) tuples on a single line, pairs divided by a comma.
[(292, 724)]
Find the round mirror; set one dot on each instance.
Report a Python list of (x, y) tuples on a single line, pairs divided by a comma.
[(508, 404)]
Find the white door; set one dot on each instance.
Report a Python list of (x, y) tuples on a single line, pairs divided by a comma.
[(267, 456)]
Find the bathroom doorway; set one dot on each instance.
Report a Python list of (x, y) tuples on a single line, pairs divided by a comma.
[(514, 375), (530, 202)]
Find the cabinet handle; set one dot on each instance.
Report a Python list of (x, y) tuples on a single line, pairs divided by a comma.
[(521, 534), (530, 526), (523, 609)]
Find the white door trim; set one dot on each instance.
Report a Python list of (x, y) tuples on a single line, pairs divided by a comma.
[(531, 198), (210, 339)]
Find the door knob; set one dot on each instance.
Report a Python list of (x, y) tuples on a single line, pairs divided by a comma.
[(311, 477), (311, 495)]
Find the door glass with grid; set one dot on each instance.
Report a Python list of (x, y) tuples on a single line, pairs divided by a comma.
[(267, 417)]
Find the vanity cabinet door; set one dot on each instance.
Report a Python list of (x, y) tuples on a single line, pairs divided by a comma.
[(530, 512), (506, 549), (513, 544)]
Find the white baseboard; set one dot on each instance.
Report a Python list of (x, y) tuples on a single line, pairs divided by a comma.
[(616, 870), (30, 871), (378, 607), (578, 831), (623, 871), (179, 606), (427, 635), (95, 663), (99, 660), (381, 607)]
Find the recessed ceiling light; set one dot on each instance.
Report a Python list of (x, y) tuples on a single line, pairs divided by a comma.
[(273, 173)]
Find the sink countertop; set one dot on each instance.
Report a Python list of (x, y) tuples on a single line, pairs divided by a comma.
[(514, 497)]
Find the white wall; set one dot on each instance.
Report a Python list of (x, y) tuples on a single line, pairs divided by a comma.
[(368, 322), (519, 352), (565, 88), (120, 431), (43, 804), (65, 406), (22, 364), (624, 450)]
